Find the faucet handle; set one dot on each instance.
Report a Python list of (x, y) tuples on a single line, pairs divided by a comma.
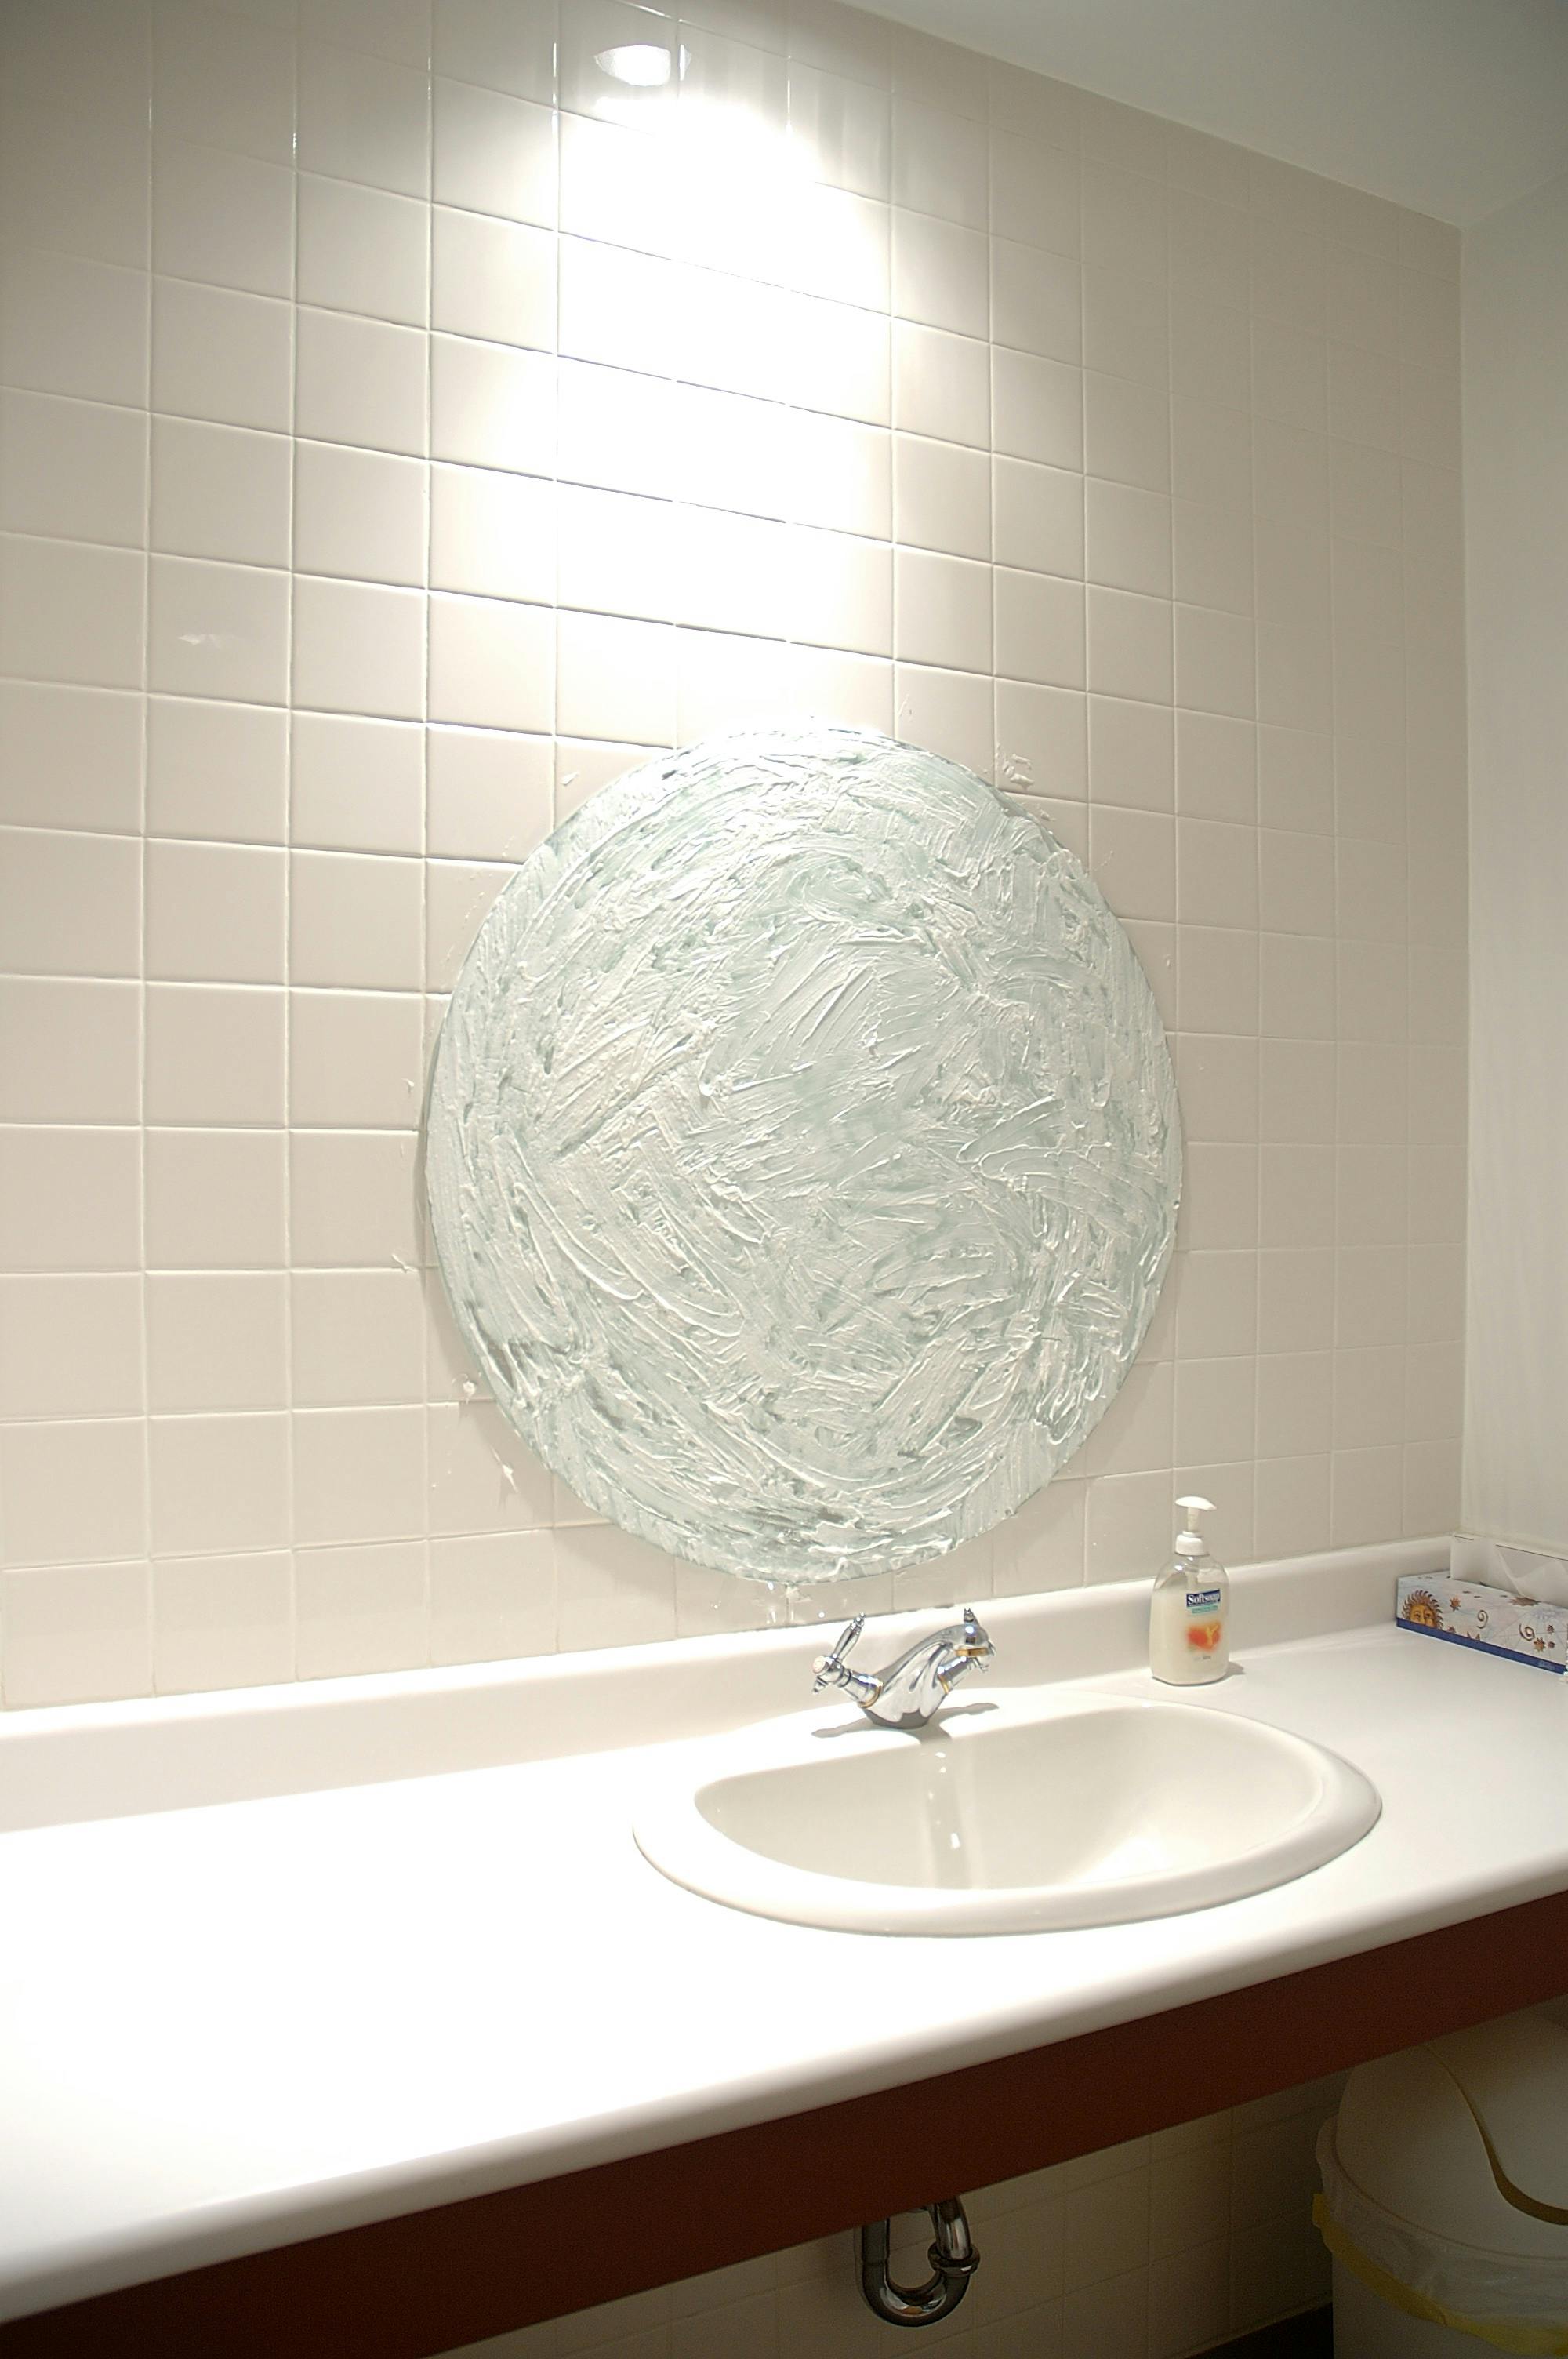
[(827, 1667), (975, 1639)]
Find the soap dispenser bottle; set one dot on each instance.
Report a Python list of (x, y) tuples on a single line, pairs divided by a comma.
[(1189, 1615)]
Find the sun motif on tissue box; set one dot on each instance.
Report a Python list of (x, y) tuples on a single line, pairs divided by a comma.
[(1493, 1621)]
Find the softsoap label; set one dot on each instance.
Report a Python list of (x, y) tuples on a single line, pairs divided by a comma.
[(1205, 1630)]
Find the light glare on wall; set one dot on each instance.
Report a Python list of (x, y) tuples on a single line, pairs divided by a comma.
[(641, 65), (735, 190)]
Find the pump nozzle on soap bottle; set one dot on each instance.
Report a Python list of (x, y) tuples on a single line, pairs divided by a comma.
[(1189, 1614)]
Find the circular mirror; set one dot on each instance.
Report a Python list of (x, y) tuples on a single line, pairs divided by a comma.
[(803, 1152)]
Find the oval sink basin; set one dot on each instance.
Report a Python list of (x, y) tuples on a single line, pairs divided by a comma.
[(1006, 1818)]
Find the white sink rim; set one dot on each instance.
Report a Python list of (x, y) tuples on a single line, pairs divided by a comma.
[(676, 1837)]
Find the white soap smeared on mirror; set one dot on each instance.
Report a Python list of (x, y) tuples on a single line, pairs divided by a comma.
[(803, 1154)]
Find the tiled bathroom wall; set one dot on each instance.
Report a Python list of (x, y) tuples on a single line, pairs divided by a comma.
[(1516, 369), (414, 411), (1153, 2250)]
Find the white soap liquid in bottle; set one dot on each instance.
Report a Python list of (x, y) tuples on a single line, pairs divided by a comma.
[(1189, 1614)]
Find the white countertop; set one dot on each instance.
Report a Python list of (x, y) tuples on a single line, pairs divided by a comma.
[(225, 2027)]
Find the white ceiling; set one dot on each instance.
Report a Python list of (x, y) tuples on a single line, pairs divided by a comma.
[(1453, 106)]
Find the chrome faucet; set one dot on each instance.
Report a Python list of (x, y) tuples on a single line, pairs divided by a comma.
[(910, 1692)]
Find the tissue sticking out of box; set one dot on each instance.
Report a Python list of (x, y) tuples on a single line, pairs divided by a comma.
[(1493, 1621), (1527, 1573)]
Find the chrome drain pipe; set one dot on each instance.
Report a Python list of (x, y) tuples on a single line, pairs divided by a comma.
[(954, 2261)]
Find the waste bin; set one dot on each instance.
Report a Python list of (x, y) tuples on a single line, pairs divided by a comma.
[(1444, 2197)]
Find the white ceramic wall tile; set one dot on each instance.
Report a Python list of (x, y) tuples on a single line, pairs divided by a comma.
[(1127, 537), (68, 1052), (361, 382), (842, 128), (217, 1343), (834, 245), (617, 181), (616, 678), (491, 663), (943, 611), (613, 308), (840, 592), (44, 65), (940, 384), (939, 274), (353, 1198), (225, 219), (357, 1474), (492, 1594), (70, 904), (75, 1491), (73, 326), (613, 1590), (363, 250), (69, 758), (75, 1633), (1036, 301), (68, 612), (358, 514), (492, 533), (1037, 408), (1040, 634), (222, 354), (491, 279), (941, 496), (213, 1055), (835, 358), (360, 1608), (223, 1622), (220, 491), (70, 1347), (218, 630), (839, 475), (86, 198), (214, 913), (359, 648), (44, 68), (488, 794), (1035, 193), (495, 154), (355, 1060), (363, 119), (1130, 755), (1038, 517), (225, 80), (219, 1482), (357, 784), (356, 1336), (1128, 644), (617, 430), (75, 470), (482, 1478), (501, 49), (1041, 738), (492, 405), (354, 921), (215, 1198)]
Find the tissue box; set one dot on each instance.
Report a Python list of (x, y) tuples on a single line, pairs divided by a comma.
[(1469, 1613)]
